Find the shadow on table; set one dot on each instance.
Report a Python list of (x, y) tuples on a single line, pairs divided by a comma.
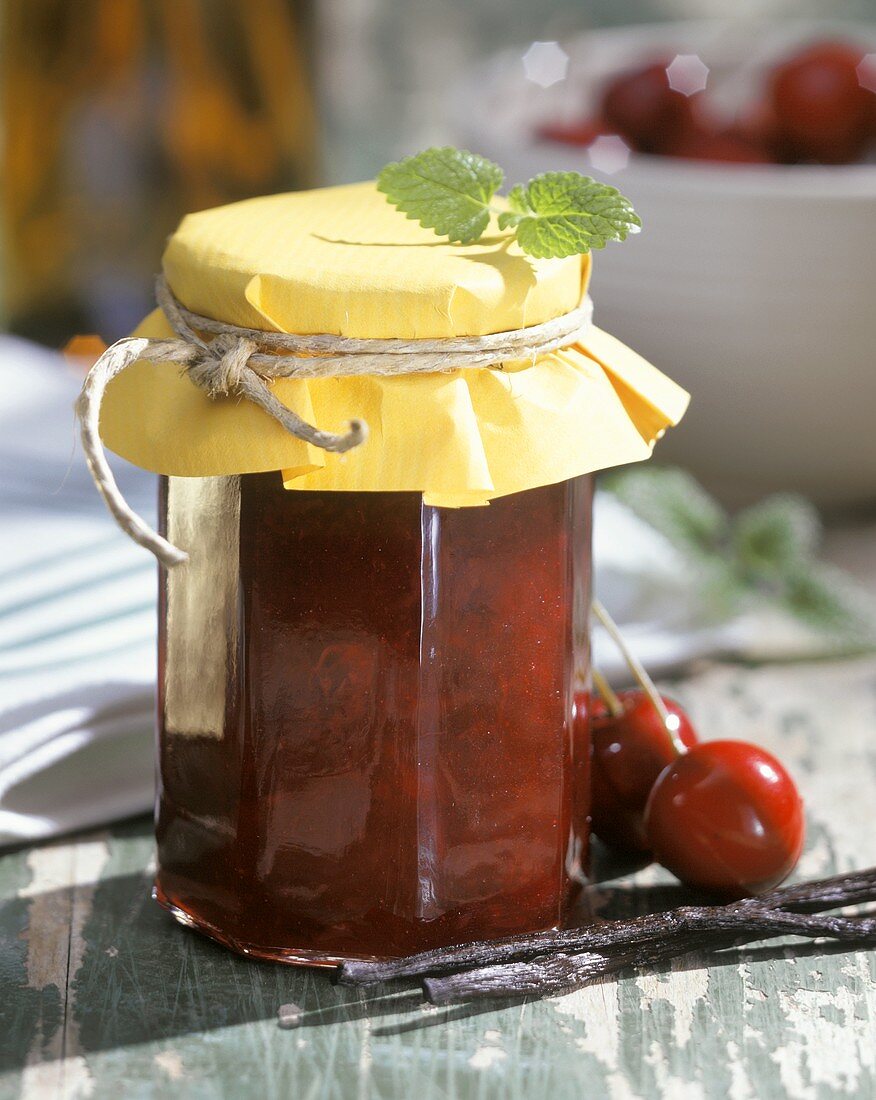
[(143, 978)]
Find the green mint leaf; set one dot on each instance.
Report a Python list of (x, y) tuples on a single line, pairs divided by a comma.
[(517, 202), (676, 505), (566, 214), (766, 557), (448, 190), (556, 214), (776, 536), (720, 591), (517, 199), (828, 601)]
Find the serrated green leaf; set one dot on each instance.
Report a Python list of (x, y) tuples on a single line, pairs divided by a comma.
[(828, 601), (509, 219), (765, 558), (775, 536), (677, 506), (720, 591), (517, 199), (566, 214), (517, 202), (445, 189)]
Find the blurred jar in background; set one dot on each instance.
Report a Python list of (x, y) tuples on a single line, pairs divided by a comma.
[(120, 116)]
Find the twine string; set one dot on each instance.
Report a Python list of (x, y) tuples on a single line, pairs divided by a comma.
[(242, 362)]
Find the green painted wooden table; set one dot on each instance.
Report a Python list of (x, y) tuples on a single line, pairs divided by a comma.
[(103, 995)]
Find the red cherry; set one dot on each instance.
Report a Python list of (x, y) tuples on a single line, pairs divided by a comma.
[(821, 108), (642, 107), (581, 133), (759, 126), (727, 147), (629, 751), (726, 817)]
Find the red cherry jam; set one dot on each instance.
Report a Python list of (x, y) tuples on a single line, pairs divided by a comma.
[(366, 734)]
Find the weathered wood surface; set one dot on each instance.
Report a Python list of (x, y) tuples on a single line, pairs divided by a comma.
[(102, 995)]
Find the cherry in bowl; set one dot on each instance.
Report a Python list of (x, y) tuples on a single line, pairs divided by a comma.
[(643, 107), (823, 110)]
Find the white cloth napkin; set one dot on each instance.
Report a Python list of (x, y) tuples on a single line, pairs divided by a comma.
[(77, 614)]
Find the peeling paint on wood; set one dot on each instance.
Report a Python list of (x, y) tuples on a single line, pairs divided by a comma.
[(101, 995)]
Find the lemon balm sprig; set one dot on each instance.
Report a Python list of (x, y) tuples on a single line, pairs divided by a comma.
[(555, 214)]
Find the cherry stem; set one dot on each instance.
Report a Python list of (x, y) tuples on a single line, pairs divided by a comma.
[(670, 722), (609, 695)]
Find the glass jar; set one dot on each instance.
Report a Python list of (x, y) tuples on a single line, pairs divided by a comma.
[(367, 744)]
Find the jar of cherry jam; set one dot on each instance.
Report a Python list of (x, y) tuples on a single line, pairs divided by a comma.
[(367, 744), (393, 766)]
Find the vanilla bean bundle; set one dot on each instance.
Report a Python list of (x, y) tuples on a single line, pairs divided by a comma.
[(710, 929), (550, 962)]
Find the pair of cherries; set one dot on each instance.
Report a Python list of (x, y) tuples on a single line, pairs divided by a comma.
[(724, 816)]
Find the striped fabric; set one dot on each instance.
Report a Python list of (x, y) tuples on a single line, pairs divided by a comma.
[(77, 619)]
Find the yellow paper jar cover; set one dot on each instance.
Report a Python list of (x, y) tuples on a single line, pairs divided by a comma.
[(341, 260)]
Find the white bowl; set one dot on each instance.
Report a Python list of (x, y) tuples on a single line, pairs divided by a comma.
[(754, 286)]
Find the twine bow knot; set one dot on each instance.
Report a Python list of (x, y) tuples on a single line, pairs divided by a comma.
[(218, 368)]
